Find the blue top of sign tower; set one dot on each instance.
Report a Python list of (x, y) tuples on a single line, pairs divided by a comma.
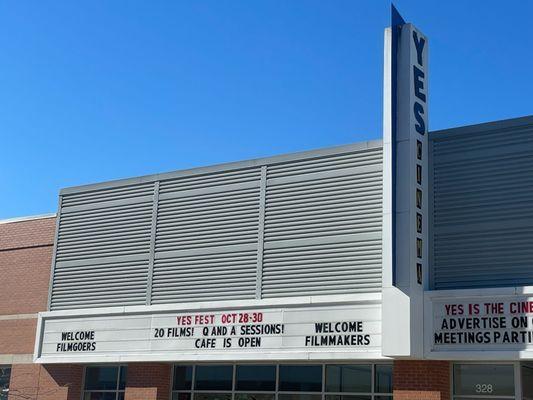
[(396, 18)]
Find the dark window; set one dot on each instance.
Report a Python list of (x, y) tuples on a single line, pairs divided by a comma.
[(290, 382), (347, 397), (527, 380), (101, 378), (181, 396), (101, 396), (183, 377), (5, 376), (349, 378), (300, 378), (214, 377), (254, 396), (122, 379), (260, 378), (105, 383), (212, 396), (383, 379), (483, 380), (299, 396)]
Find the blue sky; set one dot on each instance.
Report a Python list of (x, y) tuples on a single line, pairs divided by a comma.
[(99, 90)]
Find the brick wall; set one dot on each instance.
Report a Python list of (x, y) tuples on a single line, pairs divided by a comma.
[(45, 382), (17, 336), (27, 233), (148, 381), (25, 261), (421, 380)]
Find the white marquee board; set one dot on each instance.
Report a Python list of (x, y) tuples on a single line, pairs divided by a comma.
[(479, 324), (341, 332)]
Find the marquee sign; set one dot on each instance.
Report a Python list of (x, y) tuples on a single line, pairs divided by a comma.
[(349, 331), (479, 326)]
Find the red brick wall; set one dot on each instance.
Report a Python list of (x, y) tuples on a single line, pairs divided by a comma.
[(45, 382), (17, 336), (150, 381), (27, 233), (60, 382), (421, 380), (24, 381), (25, 262)]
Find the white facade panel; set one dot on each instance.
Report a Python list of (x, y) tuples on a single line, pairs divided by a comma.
[(481, 324), (300, 330)]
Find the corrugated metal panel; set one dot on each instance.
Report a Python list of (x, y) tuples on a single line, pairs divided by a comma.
[(323, 226), (97, 230), (319, 269), (482, 217), (369, 157), (103, 232), (93, 198), (212, 180), (203, 277), (108, 283), (200, 220), (214, 219), (292, 225)]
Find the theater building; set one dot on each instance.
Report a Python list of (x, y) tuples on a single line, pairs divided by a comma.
[(397, 269)]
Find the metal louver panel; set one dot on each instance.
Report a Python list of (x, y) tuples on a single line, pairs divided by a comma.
[(353, 266), (368, 157), (119, 230), (108, 283), (205, 277), (207, 234), (482, 217), (102, 248), (214, 219), (323, 226), (293, 225)]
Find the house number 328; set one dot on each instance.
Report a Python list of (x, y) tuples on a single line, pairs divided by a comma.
[(484, 388)]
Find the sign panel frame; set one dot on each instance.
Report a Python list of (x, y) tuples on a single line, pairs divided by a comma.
[(433, 309), (75, 336)]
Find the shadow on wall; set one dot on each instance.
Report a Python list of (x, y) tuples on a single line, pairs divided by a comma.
[(45, 382)]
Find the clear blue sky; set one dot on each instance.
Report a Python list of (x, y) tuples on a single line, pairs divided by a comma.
[(99, 90)]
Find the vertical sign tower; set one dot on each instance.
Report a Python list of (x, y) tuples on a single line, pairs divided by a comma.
[(405, 187)]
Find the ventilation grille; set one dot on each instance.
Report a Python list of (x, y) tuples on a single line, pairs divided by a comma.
[(105, 284), (205, 277), (482, 216), (318, 269), (323, 226), (102, 248), (299, 225), (207, 220), (203, 226), (324, 207), (113, 231), (210, 180), (333, 163)]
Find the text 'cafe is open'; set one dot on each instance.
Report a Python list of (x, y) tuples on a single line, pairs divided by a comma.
[(398, 268)]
